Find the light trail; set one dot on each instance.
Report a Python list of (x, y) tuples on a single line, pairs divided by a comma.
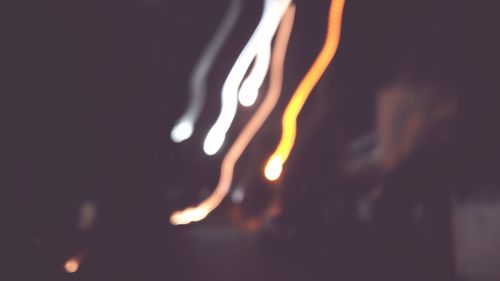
[(200, 211), (263, 34), (250, 87), (274, 165), (184, 126)]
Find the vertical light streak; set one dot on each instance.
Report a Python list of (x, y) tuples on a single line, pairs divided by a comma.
[(250, 87), (263, 34), (274, 166), (200, 211), (184, 126)]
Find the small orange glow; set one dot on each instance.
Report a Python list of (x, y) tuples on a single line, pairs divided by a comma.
[(72, 265), (273, 169), (200, 211)]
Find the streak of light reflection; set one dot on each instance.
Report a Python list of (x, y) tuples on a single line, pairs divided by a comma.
[(250, 87), (263, 34), (200, 211), (183, 128), (274, 165)]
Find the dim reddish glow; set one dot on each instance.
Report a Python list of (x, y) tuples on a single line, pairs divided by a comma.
[(200, 211), (274, 165)]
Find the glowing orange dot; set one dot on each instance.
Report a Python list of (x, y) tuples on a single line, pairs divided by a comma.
[(72, 265)]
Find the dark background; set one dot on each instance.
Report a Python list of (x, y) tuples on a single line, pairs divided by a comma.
[(96, 87)]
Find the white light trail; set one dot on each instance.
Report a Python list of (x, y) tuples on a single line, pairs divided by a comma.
[(274, 165), (260, 39), (184, 126), (250, 87), (200, 211)]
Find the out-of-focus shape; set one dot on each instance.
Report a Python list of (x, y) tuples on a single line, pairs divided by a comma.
[(250, 87), (260, 38), (184, 127), (274, 165), (407, 115), (200, 211), (88, 214), (238, 195), (72, 265)]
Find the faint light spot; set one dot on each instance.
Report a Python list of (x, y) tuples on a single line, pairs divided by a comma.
[(88, 213), (238, 195)]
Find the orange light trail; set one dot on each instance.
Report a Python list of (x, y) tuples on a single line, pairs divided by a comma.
[(274, 165), (200, 211)]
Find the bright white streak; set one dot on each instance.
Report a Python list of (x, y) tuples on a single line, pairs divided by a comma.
[(184, 127), (200, 211), (250, 87), (261, 37)]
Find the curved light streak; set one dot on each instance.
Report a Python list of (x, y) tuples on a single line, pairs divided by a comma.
[(183, 128), (200, 211), (274, 166), (262, 34), (250, 87)]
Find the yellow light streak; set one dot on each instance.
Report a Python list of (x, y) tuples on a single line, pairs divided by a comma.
[(200, 211), (274, 166)]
